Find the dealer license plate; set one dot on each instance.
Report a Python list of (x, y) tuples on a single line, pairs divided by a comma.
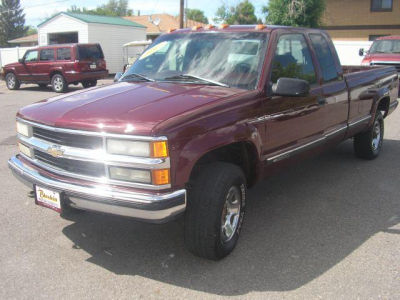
[(48, 198)]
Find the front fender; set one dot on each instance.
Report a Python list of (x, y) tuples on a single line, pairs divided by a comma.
[(202, 144)]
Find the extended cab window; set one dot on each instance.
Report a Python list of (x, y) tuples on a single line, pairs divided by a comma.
[(47, 54), (325, 57), (381, 5), (31, 56), (292, 59), (63, 53)]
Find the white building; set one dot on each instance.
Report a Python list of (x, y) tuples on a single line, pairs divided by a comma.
[(110, 32)]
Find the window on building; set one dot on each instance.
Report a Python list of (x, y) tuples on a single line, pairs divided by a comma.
[(293, 59), (63, 53), (373, 37), (47, 54), (325, 57), (381, 5)]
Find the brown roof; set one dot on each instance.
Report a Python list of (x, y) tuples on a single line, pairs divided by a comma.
[(25, 39), (166, 22)]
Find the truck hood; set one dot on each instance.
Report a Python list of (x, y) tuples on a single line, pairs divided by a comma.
[(125, 107), (12, 65), (383, 57)]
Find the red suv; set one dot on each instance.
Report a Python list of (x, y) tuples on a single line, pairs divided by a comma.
[(59, 65)]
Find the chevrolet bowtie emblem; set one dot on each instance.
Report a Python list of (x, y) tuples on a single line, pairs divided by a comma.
[(55, 151)]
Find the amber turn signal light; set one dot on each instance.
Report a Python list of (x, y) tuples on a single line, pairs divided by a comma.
[(260, 26), (160, 177), (223, 26), (159, 149)]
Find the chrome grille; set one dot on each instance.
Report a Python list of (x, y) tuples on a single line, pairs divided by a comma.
[(75, 166), (67, 139)]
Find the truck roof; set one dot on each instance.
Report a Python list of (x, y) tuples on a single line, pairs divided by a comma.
[(240, 28), (389, 37)]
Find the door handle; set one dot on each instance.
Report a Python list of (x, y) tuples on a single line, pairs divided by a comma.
[(321, 101)]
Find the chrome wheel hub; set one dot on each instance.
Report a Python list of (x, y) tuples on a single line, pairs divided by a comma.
[(11, 81), (58, 84), (230, 214), (376, 136)]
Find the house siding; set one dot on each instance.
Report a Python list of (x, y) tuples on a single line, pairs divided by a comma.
[(354, 20), (111, 39)]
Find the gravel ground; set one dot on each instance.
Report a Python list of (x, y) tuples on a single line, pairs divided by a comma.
[(326, 228)]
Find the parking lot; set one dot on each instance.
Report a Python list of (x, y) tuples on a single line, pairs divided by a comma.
[(326, 228)]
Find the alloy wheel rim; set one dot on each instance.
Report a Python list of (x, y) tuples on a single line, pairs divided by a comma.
[(376, 136), (11, 81), (230, 214), (58, 84)]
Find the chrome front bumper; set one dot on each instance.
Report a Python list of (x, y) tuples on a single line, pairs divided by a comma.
[(156, 208)]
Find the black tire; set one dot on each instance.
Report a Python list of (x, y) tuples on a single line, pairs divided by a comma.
[(85, 84), (12, 81), (58, 83), (42, 85), (89, 83), (207, 204), (368, 144)]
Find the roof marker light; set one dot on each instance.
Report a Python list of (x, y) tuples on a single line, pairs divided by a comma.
[(209, 26), (171, 30), (223, 26), (260, 26), (197, 27)]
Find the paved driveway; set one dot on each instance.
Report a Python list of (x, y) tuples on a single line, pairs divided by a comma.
[(326, 228)]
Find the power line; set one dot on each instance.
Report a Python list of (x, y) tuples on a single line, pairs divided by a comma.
[(33, 6)]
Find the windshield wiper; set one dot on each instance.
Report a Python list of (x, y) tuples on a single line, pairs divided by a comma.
[(190, 76), (136, 75)]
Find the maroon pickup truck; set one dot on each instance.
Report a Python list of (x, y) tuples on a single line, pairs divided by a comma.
[(201, 116)]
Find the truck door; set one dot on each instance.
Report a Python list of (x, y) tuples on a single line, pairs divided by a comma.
[(42, 68), (334, 99), (292, 123), (30, 60)]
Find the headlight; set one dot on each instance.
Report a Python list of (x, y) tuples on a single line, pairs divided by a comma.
[(23, 129), (137, 148), (127, 174), (25, 150)]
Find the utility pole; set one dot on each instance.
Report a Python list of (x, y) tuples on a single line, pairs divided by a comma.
[(181, 13)]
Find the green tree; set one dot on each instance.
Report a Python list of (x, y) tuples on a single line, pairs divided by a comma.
[(243, 13), (115, 8), (12, 21), (196, 15), (305, 13), (31, 30)]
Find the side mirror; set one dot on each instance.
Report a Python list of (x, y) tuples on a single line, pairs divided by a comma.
[(21, 61), (361, 52), (292, 87), (117, 76)]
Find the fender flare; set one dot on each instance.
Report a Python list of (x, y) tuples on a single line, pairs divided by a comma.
[(202, 144)]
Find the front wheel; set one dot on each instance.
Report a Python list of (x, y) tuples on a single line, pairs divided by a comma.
[(368, 144), (58, 83), (215, 210), (12, 81)]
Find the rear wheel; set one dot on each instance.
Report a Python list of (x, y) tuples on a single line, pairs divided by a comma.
[(12, 81), (89, 83), (58, 83), (368, 144), (215, 211)]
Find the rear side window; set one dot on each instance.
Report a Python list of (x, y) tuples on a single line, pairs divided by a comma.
[(324, 56), (293, 59), (63, 53), (47, 54), (90, 52)]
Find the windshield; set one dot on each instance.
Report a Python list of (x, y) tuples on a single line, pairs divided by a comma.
[(215, 58), (385, 46)]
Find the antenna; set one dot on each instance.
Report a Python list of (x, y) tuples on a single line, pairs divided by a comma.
[(156, 22)]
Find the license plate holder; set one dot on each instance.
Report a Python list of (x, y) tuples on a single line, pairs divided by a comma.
[(48, 198)]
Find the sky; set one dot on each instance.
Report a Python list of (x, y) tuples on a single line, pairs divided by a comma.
[(37, 11)]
